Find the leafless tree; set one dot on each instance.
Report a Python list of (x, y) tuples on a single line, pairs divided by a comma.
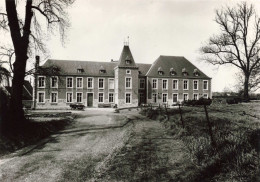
[(26, 33), (238, 42)]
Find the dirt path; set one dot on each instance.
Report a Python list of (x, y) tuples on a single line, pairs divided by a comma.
[(97, 149), (149, 155), (71, 155)]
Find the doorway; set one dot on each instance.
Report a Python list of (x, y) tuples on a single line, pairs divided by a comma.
[(89, 99)]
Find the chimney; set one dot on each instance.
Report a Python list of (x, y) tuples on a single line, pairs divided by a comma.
[(112, 60), (37, 58)]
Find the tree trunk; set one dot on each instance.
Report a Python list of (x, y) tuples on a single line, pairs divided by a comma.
[(16, 106), (20, 43), (246, 95)]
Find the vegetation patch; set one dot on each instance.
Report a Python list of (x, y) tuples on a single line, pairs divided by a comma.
[(235, 154), (14, 138)]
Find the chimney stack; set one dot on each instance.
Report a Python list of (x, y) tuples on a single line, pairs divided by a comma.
[(37, 58)]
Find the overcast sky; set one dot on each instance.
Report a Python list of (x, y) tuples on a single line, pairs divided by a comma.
[(155, 27)]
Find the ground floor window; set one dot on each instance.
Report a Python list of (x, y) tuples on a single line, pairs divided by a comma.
[(100, 97), (69, 97), (111, 97), (205, 96), (54, 97), (154, 98), (174, 97), (41, 97), (164, 97), (127, 98), (195, 96), (185, 97), (79, 97)]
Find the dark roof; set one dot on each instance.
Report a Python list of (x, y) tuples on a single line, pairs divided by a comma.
[(165, 63), (91, 68), (126, 55), (143, 68)]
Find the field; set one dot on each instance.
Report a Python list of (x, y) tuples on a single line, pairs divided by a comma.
[(233, 155)]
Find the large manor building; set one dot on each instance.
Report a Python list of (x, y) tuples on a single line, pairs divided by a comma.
[(124, 83)]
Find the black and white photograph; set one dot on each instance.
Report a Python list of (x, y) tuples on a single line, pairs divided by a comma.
[(130, 90)]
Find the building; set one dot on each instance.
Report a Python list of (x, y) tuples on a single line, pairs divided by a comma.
[(124, 82)]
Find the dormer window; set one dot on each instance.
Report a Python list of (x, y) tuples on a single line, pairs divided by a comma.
[(128, 60), (80, 70), (184, 72), (196, 72), (102, 69), (160, 71), (172, 72)]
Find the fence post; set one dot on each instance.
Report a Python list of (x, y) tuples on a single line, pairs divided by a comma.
[(182, 122), (213, 142), (168, 118)]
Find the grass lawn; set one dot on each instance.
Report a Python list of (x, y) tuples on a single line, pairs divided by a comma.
[(236, 131)]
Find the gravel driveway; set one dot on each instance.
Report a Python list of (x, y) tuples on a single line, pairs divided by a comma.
[(72, 154)]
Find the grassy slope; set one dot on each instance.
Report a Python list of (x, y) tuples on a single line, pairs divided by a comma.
[(28, 134), (236, 130)]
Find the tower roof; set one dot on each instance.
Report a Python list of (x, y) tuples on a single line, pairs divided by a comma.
[(126, 59)]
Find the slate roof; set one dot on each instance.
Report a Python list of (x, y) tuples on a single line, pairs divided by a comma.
[(166, 63), (126, 55), (91, 68)]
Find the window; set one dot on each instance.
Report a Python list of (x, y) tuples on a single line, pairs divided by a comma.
[(195, 96), (41, 82), (80, 70), (79, 96), (205, 96), (54, 97), (154, 83), (54, 82), (102, 71), (69, 97), (101, 83), (128, 72), (160, 72), (69, 82), (154, 97), (165, 84), (195, 84), (142, 83), (205, 85), (185, 85), (164, 97), (128, 83), (79, 83), (127, 61), (175, 97), (185, 97), (128, 98), (175, 84), (41, 97), (101, 97), (90, 82), (111, 83), (111, 97)]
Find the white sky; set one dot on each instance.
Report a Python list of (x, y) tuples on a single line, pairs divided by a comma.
[(156, 27)]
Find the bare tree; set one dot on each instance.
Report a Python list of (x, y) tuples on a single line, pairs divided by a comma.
[(238, 42), (25, 34), (253, 83)]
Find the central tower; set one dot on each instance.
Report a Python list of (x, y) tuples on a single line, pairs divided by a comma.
[(126, 80)]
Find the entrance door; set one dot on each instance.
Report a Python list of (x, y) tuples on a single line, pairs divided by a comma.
[(90, 99)]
